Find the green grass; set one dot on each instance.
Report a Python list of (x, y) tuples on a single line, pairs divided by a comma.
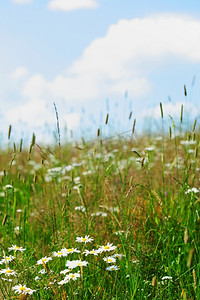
[(134, 192)]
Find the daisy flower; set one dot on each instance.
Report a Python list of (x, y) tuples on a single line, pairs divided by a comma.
[(8, 272), (16, 248), (85, 239), (29, 291), (37, 278), (22, 289), (43, 271), (71, 264), (7, 259), (81, 208), (94, 252), (61, 253), (43, 260), (112, 268), (70, 250), (72, 276), (108, 247), (166, 278), (110, 259), (65, 271), (63, 282)]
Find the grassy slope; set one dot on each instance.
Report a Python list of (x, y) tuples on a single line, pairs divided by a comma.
[(139, 184)]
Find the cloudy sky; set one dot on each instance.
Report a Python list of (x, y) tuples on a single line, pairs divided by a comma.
[(93, 57)]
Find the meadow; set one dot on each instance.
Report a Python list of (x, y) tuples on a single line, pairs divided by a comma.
[(114, 218)]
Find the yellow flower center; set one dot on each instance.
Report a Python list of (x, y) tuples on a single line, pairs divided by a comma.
[(109, 259), (79, 264), (60, 253), (106, 247), (22, 288), (8, 271), (72, 276), (16, 248), (69, 250), (84, 239), (8, 258), (92, 251), (44, 259)]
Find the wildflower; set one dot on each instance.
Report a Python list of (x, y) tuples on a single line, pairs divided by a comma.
[(112, 268), (94, 252), (29, 291), (22, 289), (16, 248), (37, 278), (7, 259), (85, 239), (70, 250), (17, 229), (60, 253), (72, 276), (43, 271), (63, 282), (166, 278), (76, 263), (109, 259), (7, 186), (8, 272), (119, 232), (81, 208), (194, 190), (43, 260), (99, 213), (108, 247), (65, 271), (77, 180)]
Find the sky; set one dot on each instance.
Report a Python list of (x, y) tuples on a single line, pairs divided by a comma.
[(96, 57)]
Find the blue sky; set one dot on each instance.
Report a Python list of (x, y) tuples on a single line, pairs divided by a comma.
[(93, 57)]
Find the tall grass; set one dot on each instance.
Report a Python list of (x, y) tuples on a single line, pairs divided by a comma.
[(141, 195)]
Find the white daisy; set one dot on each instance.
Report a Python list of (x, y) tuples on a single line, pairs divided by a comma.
[(109, 259), (85, 239), (61, 253), (43, 271), (112, 268), (94, 252), (43, 260), (72, 276), (108, 247), (16, 248), (22, 289), (63, 282), (70, 250), (65, 271), (7, 259), (8, 272), (71, 264)]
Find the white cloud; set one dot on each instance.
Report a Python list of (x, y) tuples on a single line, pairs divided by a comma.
[(20, 73), (69, 5), (122, 60), (22, 1)]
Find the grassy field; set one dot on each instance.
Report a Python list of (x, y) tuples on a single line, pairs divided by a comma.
[(108, 219)]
